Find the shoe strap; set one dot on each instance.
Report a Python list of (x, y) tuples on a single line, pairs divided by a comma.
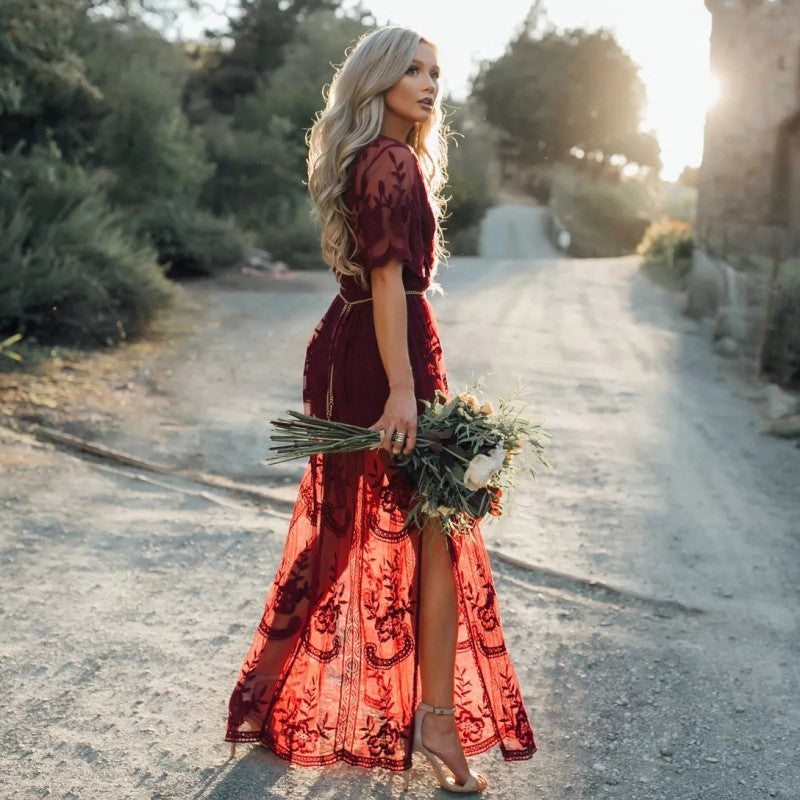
[(437, 709)]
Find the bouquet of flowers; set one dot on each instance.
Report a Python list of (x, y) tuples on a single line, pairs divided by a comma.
[(465, 455)]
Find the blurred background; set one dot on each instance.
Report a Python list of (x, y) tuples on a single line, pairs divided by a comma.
[(624, 224), (143, 142)]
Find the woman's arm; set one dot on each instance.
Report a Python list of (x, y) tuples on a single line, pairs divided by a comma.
[(391, 330)]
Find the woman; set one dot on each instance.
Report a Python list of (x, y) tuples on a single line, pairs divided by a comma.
[(375, 639)]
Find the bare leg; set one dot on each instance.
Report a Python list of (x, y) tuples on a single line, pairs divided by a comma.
[(438, 629)]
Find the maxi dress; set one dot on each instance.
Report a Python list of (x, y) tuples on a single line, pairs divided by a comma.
[(332, 673)]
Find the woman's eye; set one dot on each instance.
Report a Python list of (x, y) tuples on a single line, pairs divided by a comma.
[(411, 70)]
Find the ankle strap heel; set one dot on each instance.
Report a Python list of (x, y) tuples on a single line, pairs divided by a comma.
[(437, 709), (444, 775)]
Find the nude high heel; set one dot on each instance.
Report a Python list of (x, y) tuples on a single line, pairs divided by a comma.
[(446, 781), (253, 727)]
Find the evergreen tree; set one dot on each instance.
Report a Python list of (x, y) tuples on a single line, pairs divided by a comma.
[(260, 34), (42, 79)]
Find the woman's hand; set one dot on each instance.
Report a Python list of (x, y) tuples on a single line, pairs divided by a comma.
[(399, 414)]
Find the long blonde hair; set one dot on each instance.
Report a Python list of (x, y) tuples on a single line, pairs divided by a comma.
[(353, 117)]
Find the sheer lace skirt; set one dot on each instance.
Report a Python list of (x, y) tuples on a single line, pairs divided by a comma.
[(332, 672)]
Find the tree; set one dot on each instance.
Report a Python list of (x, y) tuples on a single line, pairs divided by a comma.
[(41, 77), (259, 35), (553, 92), (148, 10), (140, 132), (259, 149)]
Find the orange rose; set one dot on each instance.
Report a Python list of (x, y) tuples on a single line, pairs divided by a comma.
[(471, 402)]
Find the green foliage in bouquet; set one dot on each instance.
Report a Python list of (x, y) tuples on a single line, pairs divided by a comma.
[(460, 475), (465, 454)]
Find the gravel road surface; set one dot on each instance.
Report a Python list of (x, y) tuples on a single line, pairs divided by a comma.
[(648, 583)]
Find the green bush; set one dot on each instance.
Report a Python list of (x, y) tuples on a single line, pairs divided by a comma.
[(605, 218), (142, 135), (609, 207), (258, 177), (472, 165), (295, 239), (663, 236), (667, 247), (190, 241), (70, 271)]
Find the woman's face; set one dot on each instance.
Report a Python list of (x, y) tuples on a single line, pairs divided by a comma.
[(412, 98)]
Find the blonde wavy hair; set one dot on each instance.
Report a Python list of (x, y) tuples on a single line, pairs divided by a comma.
[(353, 117)]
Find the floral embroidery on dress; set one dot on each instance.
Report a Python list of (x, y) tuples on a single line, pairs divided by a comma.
[(389, 609), (292, 589), (332, 672), (302, 729), (383, 733), (390, 211), (327, 615)]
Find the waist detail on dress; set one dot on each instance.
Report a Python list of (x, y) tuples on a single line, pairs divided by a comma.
[(348, 304), (369, 299)]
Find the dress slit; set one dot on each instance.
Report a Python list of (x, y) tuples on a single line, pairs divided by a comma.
[(333, 670)]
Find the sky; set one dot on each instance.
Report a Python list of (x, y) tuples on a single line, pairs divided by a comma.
[(668, 40)]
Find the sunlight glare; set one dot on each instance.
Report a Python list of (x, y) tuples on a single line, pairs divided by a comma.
[(713, 90), (669, 40)]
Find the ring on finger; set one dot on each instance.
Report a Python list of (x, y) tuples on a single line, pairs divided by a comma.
[(398, 437)]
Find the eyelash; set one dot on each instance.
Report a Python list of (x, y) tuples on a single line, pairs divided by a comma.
[(434, 75)]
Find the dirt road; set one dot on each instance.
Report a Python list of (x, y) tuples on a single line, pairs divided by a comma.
[(648, 584)]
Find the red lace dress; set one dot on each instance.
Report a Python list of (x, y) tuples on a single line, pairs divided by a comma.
[(332, 672)]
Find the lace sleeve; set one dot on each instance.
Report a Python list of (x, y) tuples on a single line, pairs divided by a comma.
[(385, 205)]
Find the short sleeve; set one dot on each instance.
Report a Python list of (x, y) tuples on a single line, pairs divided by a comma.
[(386, 206)]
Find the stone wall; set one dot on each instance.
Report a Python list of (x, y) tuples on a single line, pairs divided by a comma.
[(749, 181)]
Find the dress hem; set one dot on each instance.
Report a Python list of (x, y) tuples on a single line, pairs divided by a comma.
[(253, 737)]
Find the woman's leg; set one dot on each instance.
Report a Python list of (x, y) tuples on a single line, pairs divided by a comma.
[(438, 619), (438, 629)]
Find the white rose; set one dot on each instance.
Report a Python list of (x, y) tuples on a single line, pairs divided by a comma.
[(479, 471), (498, 455)]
